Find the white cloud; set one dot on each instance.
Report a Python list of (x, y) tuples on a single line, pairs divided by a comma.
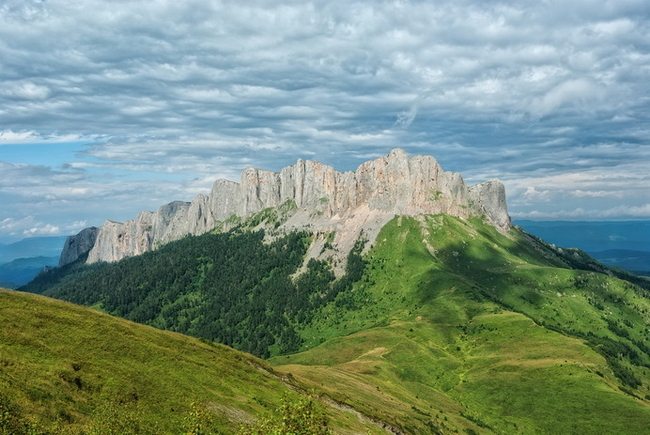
[(9, 136), (12, 226), (27, 227), (532, 194), (596, 194), (577, 92), (551, 97), (26, 91), (30, 226), (618, 212), (42, 230)]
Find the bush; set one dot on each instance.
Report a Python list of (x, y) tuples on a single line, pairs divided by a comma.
[(301, 417)]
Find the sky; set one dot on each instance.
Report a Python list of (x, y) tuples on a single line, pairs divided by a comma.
[(108, 107)]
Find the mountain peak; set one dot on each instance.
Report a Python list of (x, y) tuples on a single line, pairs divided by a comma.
[(397, 153), (323, 199)]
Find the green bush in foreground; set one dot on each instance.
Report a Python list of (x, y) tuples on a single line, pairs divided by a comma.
[(302, 417)]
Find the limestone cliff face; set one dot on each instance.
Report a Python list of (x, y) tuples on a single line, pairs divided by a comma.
[(490, 198), (328, 200), (78, 245)]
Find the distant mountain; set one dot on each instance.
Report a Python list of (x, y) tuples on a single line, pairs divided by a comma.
[(21, 261), (592, 236), (32, 247), (635, 261), (22, 270), (619, 244)]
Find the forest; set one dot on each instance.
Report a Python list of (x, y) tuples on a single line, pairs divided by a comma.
[(233, 288)]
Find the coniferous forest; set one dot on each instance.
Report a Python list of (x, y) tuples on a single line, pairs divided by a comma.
[(231, 288)]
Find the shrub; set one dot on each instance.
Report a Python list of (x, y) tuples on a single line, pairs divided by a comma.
[(301, 417)]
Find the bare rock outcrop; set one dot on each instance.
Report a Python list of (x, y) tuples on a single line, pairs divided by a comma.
[(490, 197), (325, 200), (78, 245)]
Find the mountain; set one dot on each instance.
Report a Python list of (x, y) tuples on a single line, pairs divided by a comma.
[(32, 247), (429, 313), (635, 261), (317, 196), (22, 270), (592, 236), (21, 261), (625, 244), (72, 370)]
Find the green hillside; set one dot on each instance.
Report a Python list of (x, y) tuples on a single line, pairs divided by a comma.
[(445, 333), (442, 326), (66, 369)]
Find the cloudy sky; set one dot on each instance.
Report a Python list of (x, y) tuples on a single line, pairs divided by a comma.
[(111, 107)]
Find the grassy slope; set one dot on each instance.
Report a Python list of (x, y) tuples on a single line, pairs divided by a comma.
[(424, 339), (69, 369)]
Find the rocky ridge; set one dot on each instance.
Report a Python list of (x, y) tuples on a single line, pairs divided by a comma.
[(322, 200)]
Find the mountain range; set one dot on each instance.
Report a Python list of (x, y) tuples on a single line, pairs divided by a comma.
[(623, 244), (32, 247), (395, 297), (21, 261), (310, 195)]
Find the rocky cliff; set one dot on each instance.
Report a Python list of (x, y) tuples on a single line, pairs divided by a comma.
[(79, 245), (322, 199)]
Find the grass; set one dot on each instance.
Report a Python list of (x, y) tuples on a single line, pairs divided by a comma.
[(71, 370), (501, 373), (444, 334)]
